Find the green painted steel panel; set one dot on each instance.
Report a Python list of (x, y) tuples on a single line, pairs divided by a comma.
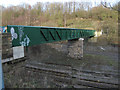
[(33, 35)]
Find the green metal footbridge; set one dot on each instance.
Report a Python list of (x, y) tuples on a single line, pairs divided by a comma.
[(34, 35)]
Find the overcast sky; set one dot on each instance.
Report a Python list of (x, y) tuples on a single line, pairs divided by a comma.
[(32, 2)]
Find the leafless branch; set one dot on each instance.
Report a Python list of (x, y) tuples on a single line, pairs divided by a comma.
[(110, 7)]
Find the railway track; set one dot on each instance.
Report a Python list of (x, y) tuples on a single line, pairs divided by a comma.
[(67, 76)]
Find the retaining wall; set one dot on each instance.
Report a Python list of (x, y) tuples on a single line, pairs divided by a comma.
[(6, 45)]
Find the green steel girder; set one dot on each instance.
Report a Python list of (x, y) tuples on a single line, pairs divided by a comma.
[(33, 35)]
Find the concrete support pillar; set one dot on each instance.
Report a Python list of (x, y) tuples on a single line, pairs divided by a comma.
[(75, 48)]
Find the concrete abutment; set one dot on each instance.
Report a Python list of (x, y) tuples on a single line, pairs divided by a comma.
[(75, 48), (72, 48)]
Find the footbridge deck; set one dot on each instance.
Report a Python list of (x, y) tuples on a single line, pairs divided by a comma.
[(33, 35)]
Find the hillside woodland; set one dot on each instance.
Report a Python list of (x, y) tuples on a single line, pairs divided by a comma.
[(69, 14)]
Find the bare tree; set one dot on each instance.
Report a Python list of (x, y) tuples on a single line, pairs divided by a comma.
[(109, 6)]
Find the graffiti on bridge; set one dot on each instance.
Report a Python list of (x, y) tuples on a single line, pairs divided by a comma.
[(3, 29)]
